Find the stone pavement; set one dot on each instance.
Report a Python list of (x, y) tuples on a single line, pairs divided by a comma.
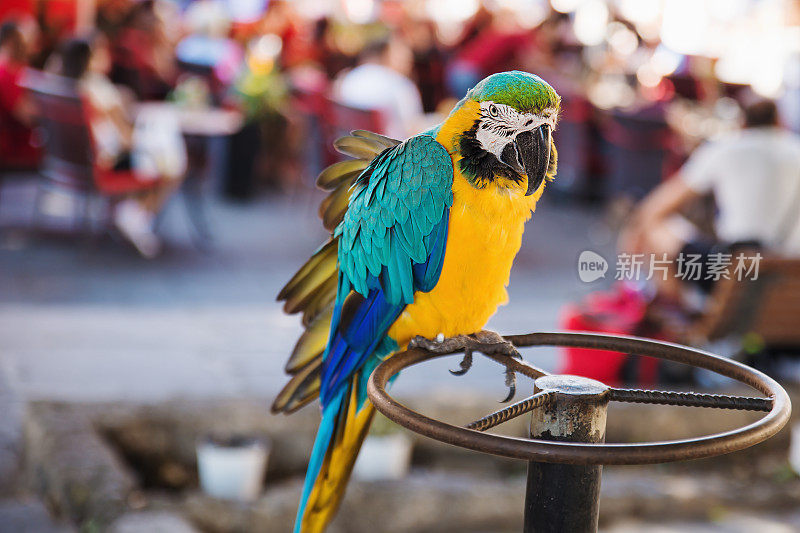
[(731, 523), (27, 516)]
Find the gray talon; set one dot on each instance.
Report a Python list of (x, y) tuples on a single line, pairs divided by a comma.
[(465, 364), (511, 383)]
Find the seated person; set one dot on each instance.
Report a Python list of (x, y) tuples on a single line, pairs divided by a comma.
[(754, 175), (17, 112), (143, 54), (381, 82), (88, 61)]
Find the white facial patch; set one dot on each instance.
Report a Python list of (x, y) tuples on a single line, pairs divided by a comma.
[(501, 123)]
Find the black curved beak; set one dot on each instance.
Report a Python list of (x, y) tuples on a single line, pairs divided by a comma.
[(529, 154)]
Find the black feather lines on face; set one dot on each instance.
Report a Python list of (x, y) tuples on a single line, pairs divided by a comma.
[(480, 166)]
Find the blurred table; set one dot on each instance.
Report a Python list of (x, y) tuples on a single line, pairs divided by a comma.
[(199, 121), (198, 125)]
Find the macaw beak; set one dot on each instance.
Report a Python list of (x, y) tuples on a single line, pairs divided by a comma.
[(529, 154)]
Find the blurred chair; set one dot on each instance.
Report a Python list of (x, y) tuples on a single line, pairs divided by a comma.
[(340, 119), (310, 104), (13, 172), (637, 147), (767, 308), (328, 120), (760, 316), (69, 157)]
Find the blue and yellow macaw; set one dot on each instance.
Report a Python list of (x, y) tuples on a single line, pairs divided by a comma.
[(424, 235)]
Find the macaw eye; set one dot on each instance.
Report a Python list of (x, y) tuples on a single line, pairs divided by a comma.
[(493, 110)]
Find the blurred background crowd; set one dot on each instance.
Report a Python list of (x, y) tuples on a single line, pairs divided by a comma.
[(644, 82)]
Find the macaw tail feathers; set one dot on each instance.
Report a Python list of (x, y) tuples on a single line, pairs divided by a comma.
[(345, 423)]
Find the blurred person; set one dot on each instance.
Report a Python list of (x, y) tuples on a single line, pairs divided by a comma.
[(381, 82), (429, 62), (281, 19), (88, 61), (496, 47), (111, 15), (17, 109), (143, 55), (262, 151), (325, 52), (754, 174), (473, 27), (207, 53)]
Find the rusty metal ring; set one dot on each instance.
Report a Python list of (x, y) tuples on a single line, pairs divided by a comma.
[(584, 453)]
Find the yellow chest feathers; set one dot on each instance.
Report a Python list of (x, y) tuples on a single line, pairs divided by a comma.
[(484, 236)]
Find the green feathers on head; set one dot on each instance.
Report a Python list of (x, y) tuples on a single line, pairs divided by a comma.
[(523, 91)]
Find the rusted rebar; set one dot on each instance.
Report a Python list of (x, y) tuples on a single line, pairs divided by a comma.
[(691, 399), (512, 411)]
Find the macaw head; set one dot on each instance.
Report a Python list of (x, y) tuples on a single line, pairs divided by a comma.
[(507, 121)]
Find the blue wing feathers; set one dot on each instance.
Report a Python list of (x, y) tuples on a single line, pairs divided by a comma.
[(356, 340), (427, 274)]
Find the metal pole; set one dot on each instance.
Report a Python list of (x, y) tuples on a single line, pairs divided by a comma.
[(565, 497)]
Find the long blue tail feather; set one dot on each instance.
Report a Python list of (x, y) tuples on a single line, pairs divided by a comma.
[(321, 444)]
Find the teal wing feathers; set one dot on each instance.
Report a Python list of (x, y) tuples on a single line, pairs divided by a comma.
[(395, 205), (388, 209), (391, 244), (312, 290)]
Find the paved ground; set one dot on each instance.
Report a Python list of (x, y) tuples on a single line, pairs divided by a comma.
[(27, 516), (732, 523)]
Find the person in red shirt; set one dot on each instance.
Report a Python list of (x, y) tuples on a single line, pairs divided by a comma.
[(495, 47), (143, 53), (17, 111)]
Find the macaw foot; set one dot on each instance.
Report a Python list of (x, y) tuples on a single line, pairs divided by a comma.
[(484, 341)]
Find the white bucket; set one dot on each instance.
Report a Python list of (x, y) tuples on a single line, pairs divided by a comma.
[(794, 449), (232, 472), (383, 457)]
